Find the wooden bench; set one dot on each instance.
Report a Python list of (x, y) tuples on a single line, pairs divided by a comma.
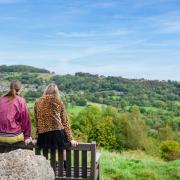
[(82, 162)]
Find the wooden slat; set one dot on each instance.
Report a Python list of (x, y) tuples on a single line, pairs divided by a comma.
[(45, 153), (37, 151), (13, 148), (60, 162), (76, 163), (84, 164), (2, 149), (53, 158), (68, 163), (71, 178), (6, 149), (18, 145), (93, 161)]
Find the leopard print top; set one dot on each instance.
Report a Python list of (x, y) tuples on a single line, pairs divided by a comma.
[(50, 115)]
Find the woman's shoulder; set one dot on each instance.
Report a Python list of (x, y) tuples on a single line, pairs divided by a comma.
[(20, 99), (2, 98)]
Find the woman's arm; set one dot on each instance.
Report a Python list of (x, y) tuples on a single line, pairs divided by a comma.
[(25, 121), (36, 120)]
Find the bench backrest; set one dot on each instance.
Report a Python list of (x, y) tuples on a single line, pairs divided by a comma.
[(77, 165)]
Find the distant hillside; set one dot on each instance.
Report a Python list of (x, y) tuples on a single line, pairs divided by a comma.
[(81, 88), (22, 68), (121, 92)]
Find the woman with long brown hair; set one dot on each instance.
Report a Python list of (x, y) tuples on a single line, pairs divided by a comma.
[(53, 128), (14, 116)]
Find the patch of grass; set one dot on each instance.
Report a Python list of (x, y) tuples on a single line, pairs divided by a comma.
[(45, 76), (115, 97), (31, 105), (75, 109), (137, 166), (97, 104), (149, 109), (177, 103)]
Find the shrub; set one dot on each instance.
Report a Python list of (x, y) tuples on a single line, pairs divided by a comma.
[(170, 150), (103, 133)]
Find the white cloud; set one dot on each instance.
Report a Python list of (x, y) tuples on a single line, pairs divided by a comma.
[(164, 23), (171, 26), (76, 34), (117, 32)]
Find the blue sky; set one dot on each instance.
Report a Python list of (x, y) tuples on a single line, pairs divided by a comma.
[(129, 38)]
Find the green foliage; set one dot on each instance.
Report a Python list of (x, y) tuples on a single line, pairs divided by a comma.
[(110, 129), (32, 95), (121, 129), (33, 127), (81, 102), (103, 133), (165, 133), (170, 150), (130, 130), (86, 120), (27, 78)]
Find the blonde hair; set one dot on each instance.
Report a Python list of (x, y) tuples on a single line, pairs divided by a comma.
[(15, 87), (52, 89)]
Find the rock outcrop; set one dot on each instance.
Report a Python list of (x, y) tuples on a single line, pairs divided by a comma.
[(24, 165)]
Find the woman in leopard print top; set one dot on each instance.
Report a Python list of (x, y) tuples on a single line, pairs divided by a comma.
[(53, 128)]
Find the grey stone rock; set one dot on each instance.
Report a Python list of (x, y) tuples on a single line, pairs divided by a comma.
[(24, 165)]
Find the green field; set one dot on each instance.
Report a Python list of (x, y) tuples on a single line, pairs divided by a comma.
[(137, 166), (96, 104), (74, 109), (149, 109), (177, 103)]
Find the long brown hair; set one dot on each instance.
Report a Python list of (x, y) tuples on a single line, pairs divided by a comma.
[(15, 87), (52, 89)]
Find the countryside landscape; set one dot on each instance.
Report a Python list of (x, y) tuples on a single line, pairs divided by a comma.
[(135, 122)]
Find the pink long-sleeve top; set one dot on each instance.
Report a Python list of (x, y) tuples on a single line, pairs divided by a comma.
[(14, 116)]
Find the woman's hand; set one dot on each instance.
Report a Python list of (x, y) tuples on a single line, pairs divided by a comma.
[(34, 141), (28, 141), (74, 143)]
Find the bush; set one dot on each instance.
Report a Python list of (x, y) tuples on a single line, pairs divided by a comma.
[(81, 102), (103, 133), (170, 150)]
